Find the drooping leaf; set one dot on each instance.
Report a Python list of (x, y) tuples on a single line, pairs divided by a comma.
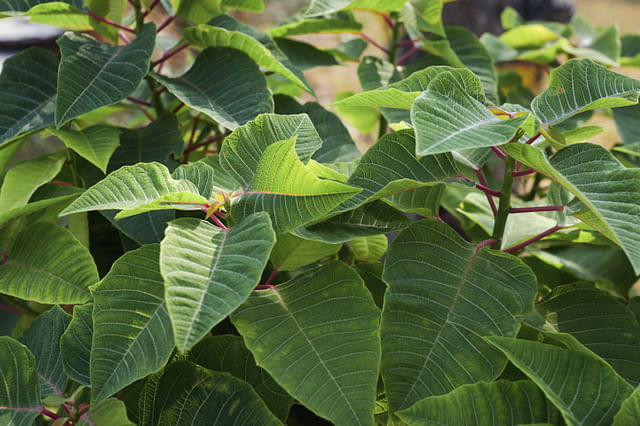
[(19, 391), (451, 292), (317, 335), (305, 56), (229, 354), (584, 388), (315, 25), (369, 249), (625, 119), (187, 394), (242, 150), (446, 118), (75, 345), (225, 84), (500, 403), (292, 252), (93, 74), (528, 35), (582, 85), (67, 16), (16, 7), (47, 264), (132, 335), (96, 143), (110, 412), (284, 187), (608, 192), (209, 271), (604, 48), (28, 85), (630, 410), (43, 340)]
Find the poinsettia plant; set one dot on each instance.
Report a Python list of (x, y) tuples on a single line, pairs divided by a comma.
[(186, 242)]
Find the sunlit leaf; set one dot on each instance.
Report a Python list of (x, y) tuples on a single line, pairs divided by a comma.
[(96, 143), (19, 391), (292, 252)]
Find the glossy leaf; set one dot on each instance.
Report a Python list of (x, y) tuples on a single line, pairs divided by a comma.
[(19, 391), (450, 291), (47, 264), (292, 252), (584, 388), (96, 143), (500, 403), (43, 340), (225, 84), (28, 85), (285, 188), (317, 335), (608, 192), (209, 271), (596, 87), (132, 335), (75, 345), (446, 118), (91, 73)]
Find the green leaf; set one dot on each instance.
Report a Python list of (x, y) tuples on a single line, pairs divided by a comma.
[(374, 73), (369, 249), (581, 134), (528, 35), (510, 18), (626, 119), (47, 264), (22, 180), (609, 191), (209, 271), (229, 354), (132, 335), (584, 388), (198, 11), (110, 412), (28, 86), (19, 388), (447, 118), (75, 345), (285, 188), (292, 252), (323, 7), (216, 81), (91, 73), (603, 48), (145, 228), (499, 403), (15, 7), (305, 56), (96, 143), (314, 26), (317, 335), (43, 340), (110, 9), (187, 394), (596, 87), (242, 150), (63, 15), (208, 36), (630, 410), (255, 6), (452, 293), (425, 15)]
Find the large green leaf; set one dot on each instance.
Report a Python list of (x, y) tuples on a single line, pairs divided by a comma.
[(292, 252), (498, 403), (284, 187), (317, 335), (110, 412), (93, 74), (243, 149), (630, 410), (370, 248), (96, 143), (626, 119), (14, 7), (187, 394), (229, 354), (452, 293), (67, 16), (19, 388), (209, 271), (608, 192), (447, 118), (206, 35), (75, 345), (582, 85), (255, 6), (225, 84), (28, 85), (315, 25), (43, 340), (47, 264), (132, 334), (584, 388)]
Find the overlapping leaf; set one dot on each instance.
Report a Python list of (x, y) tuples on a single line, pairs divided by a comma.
[(369, 249), (292, 252), (75, 345), (319, 25), (451, 293), (111, 411), (19, 391), (630, 410), (96, 143), (317, 335)]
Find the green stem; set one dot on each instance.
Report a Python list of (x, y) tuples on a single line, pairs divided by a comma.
[(392, 53), (505, 202), (72, 165), (137, 7), (155, 96)]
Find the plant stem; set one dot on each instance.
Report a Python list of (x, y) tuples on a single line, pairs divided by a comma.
[(188, 150), (533, 138), (49, 414), (505, 202), (138, 101), (486, 243), (395, 34), (110, 22), (19, 305), (169, 54), (532, 240), (137, 8), (500, 153), (492, 203), (532, 194), (265, 287), (166, 22), (124, 38), (373, 42), (536, 209), (153, 4), (146, 113), (271, 277), (523, 172), (156, 101), (10, 309), (72, 165), (407, 55)]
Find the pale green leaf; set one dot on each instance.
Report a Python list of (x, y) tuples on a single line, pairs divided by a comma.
[(528, 35), (292, 252), (425, 15), (630, 410), (451, 293), (603, 48), (110, 9), (317, 25), (323, 7), (626, 119), (19, 388), (584, 388), (582, 85), (93, 74), (75, 345), (317, 335), (15, 7), (96, 143), (209, 271), (581, 134), (61, 15), (132, 334), (374, 73), (197, 11), (369, 249), (47, 264), (255, 6), (110, 412)]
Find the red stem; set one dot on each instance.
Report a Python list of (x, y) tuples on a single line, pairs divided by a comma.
[(10, 309), (59, 182), (408, 42), (492, 203), (388, 20), (532, 240), (439, 219), (488, 190), (110, 22), (271, 277), (146, 113), (205, 143), (533, 138), (373, 42), (161, 91), (406, 56), (502, 112), (188, 150), (265, 287), (124, 38), (4, 257), (166, 23), (169, 54), (48, 413), (499, 152), (178, 108), (523, 173), (151, 6), (486, 243), (536, 209), (138, 101)]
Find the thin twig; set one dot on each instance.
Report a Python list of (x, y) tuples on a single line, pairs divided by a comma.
[(536, 209), (533, 138), (408, 42), (169, 54), (138, 101), (492, 203), (486, 243), (406, 56), (532, 240), (166, 22), (153, 4), (10, 309), (110, 22), (271, 277), (373, 42), (500, 153), (146, 113), (523, 172), (123, 38), (178, 108)]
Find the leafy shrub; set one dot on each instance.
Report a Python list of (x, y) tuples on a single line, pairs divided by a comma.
[(218, 259)]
